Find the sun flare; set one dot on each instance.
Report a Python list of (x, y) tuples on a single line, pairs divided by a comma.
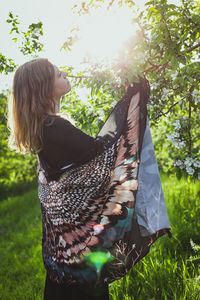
[(103, 33)]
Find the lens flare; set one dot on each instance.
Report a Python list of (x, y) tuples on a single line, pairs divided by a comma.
[(98, 259), (98, 228)]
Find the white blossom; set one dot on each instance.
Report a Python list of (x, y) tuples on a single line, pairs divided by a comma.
[(180, 102), (179, 163), (175, 143), (90, 110), (101, 115), (118, 81), (166, 91), (188, 162), (190, 170), (173, 76), (172, 136), (196, 96), (169, 137), (150, 106), (154, 85), (96, 121), (177, 124), (196, 163), (163, 97), (182, 48), (195, 93), (181, 144)]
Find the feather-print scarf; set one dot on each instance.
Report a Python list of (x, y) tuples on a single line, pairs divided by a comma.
[(91, 233)]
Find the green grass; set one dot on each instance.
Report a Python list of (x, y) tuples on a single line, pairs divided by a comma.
[(21, 271), (169, 271), (17, 188)]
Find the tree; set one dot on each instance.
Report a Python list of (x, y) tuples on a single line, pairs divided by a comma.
[(15, 167), (166, 49)]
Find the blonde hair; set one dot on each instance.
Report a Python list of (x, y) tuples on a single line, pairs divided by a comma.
[(31, 100)]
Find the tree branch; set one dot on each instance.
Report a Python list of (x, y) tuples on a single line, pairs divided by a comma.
[(155, 67), (78, 77), (193, 47), (166, 26), (164, 114), (189, 121)]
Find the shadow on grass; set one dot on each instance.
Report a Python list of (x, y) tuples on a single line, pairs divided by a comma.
[(17, 188)]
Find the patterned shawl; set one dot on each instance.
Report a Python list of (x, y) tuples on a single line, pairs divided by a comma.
[(91, 233)]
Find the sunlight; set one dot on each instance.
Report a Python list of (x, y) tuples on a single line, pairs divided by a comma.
[(103, 33)]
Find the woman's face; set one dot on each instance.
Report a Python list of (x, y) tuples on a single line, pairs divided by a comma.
[(61, 84)]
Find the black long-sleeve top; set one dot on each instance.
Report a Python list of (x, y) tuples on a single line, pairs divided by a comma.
[(64, 145)]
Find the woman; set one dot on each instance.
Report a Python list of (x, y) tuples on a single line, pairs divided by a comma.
[(94, 230)]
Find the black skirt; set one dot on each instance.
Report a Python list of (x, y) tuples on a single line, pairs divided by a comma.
[(56, 291)]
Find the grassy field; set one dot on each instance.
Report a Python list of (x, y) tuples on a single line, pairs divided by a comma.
[(170, 271)]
